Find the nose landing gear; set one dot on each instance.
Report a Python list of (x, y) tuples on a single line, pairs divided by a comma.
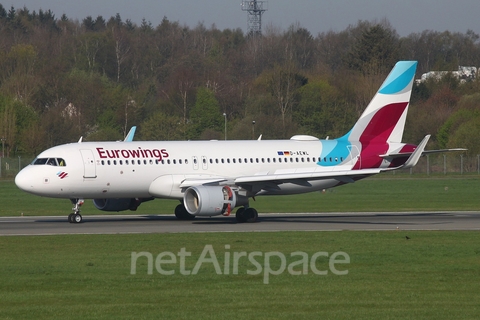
[(75, 216)]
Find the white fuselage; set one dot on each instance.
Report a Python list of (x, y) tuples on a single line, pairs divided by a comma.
[(127, 169)]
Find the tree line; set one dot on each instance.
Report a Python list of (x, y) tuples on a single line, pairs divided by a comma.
[(61, 79)]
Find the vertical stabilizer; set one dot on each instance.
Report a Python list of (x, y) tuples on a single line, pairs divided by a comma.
[(384, 118)]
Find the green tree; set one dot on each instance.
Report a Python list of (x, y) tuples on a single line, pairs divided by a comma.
[(160, 127), (375, 52), (282, 83), (320, 111), (205, 114)]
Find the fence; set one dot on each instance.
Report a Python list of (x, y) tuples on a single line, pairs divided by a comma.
[(9, 167), (447, 163), (450, 163)]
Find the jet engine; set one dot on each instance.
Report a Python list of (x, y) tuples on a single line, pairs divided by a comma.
[(117, 204), (210, 200)]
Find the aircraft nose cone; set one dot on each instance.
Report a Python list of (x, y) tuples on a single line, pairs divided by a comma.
[(23, 182)]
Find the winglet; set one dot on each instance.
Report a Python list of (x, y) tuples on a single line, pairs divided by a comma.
[(413, 159), (130, 134)]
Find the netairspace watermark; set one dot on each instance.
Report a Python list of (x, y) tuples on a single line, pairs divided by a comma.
[(274, 262)]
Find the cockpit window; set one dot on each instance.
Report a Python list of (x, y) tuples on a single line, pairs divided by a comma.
[(40, 161), (50, 161)]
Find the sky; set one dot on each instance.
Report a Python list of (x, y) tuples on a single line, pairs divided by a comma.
[(405, 16)]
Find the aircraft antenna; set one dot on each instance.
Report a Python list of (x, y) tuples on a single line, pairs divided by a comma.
[(255, 9)]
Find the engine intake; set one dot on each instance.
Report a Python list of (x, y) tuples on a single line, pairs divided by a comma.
[(209, 200)]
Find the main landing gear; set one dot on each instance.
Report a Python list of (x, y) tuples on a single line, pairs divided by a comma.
[(75, 216), (243, 214), (182, 214), (246, 215)]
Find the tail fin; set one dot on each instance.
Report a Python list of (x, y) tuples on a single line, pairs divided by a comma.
[(384, 118)]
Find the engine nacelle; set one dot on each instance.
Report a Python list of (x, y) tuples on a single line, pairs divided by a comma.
[(209, 200), (117, 204)]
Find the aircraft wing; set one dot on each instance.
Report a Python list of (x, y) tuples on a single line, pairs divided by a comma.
[(257, 183), (344, 176)]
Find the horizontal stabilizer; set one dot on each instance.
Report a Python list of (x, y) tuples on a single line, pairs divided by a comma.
[(443, 150), (425, 152)]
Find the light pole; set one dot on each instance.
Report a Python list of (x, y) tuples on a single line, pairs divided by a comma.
[(225, 116), (253, 130)]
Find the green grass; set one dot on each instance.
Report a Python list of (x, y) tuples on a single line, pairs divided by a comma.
[(385, 192), (434, 275)]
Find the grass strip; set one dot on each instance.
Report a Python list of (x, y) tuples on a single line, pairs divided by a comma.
[(433, 275)]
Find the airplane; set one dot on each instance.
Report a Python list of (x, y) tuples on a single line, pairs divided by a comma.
[(211, 178)]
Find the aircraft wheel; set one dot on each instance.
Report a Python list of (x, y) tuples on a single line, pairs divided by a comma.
[(70, 218), (240, 215), (251, 215), (182, 214), (77, 218)]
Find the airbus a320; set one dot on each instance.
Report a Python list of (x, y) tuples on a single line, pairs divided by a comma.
[(211, 178)]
